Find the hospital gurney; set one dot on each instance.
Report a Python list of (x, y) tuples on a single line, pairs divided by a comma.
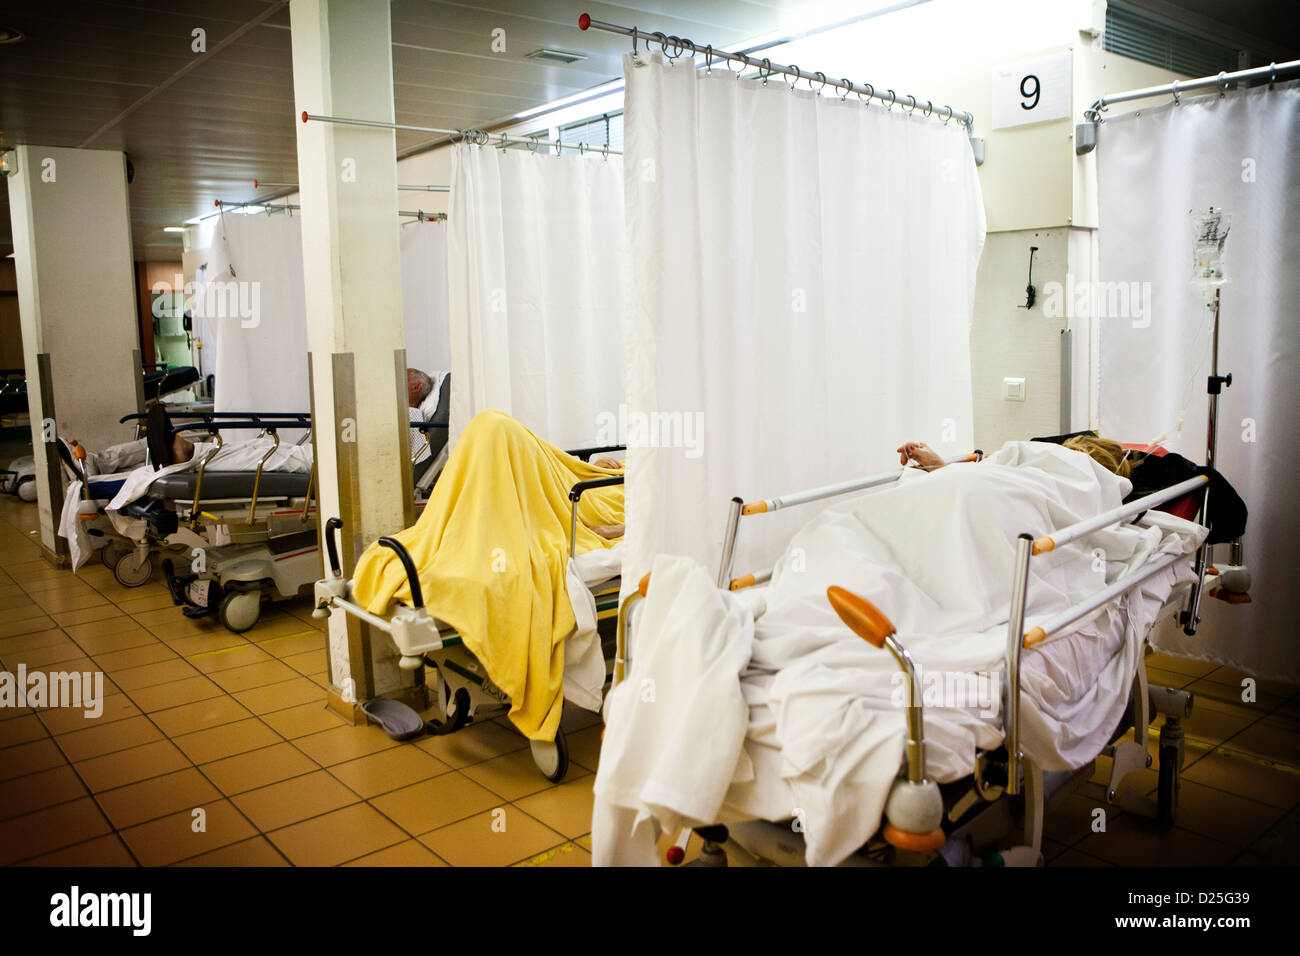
[(252, 534), (1006, 793), (464, 690)]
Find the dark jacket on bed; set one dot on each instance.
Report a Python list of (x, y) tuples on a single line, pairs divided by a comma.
[(1152, 473)]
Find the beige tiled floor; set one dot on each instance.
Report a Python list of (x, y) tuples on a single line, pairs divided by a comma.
[(199, 719)]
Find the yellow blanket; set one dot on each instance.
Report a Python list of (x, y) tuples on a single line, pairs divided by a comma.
[(491, 549)]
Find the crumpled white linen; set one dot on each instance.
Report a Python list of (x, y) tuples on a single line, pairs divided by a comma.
[(825, 724)]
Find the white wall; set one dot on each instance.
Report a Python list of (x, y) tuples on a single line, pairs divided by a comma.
[(76, 296)]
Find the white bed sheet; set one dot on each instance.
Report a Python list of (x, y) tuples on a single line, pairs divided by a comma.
[(814, 715)]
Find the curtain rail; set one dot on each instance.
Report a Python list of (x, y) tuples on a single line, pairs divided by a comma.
[(260, 184), (476, 137), (681, 45), (1085, 139), (270, 207)]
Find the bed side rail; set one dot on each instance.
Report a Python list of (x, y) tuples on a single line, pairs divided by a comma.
[(740, 508), (575, 496), (266, 425), (1027, 546)]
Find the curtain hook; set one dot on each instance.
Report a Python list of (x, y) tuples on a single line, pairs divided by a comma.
[(767, 66), (604, 153)]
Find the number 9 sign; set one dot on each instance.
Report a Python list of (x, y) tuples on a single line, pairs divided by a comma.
[(1032, 91)]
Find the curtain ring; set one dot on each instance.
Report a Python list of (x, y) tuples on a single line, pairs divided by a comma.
[(635, 34), (708, 60), (663, 43), (893, 98), (871, 91), (1177, 99), (796, 77), (604, 153), (767, 66), (848, 87), (504, 143), (1272, 73), (929, 109), (822, 77), (913, 99), (1223, 81), (741, 71), (949, 116), (687, 42), (532, 144)]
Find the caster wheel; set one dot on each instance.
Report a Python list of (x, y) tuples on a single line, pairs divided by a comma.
[(240, 610), (27, 491), (112, 553), (552, 757), (133, 569), (1167, 791)]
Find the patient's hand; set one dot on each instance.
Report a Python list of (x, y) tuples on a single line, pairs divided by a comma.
[(608, 531), (920, 453), (611, 463)]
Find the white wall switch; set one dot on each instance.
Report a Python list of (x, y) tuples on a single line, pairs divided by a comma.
[(1013, 389)]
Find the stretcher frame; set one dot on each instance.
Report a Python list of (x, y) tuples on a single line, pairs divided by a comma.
[(421, 639), (1008, 791)]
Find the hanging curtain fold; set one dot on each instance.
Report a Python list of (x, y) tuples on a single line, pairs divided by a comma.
[(535, 273), (801, 280), (1159, 173)]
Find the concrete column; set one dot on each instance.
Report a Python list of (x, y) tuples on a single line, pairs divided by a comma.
[(342, 66), (76, 297)]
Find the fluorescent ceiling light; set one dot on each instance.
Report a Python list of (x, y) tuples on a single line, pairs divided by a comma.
[(555, 56), (173, 228)]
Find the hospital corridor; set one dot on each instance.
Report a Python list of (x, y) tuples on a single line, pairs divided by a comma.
[(760, 434)]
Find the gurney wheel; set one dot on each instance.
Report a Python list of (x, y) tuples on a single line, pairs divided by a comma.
[(110, 554), (240, 610), (133, 569), (552, 757)]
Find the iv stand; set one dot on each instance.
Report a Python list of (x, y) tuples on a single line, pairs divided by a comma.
[(1214, 385)]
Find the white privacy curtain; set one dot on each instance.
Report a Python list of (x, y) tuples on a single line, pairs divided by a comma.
[(424, 295), (1158, 171), (535, 274), (253, 299), (801, 280)]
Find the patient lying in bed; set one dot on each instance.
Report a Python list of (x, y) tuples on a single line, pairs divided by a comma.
[(764, 705), (491, 549)]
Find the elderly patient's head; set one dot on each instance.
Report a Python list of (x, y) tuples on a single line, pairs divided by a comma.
[(1111, 455), (418, 387)]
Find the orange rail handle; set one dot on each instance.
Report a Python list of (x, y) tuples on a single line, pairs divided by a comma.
[(862, 617)]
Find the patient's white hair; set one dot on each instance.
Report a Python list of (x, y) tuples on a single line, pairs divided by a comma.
[(426, 383)]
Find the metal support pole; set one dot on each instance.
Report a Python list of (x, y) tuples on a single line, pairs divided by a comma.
[(1011, 674)]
